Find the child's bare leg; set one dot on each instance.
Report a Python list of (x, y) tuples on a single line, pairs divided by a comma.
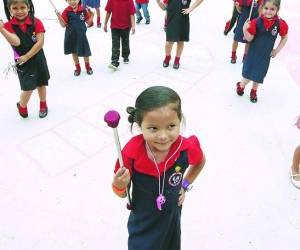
[(244, 82), (88, 68), (296, 161), (233, 51), (42, 91), (235, 45), (24, 98), (255, 85), (75, 59), (77, 64), (168, 48), (179, 49)]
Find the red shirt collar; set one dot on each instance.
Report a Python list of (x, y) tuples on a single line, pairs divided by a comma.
[(79, 8), (268, 22), (15, 21)]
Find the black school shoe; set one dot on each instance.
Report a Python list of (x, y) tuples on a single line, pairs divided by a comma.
[(139, 19), (253, 96), (126, 60), (43, 113), (89, 71), (77, 72), (176, 66), (24, 115), (114, 66), (148, 21)]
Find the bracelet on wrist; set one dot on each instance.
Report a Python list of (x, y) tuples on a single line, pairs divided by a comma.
[(186, 185), (118, 190)]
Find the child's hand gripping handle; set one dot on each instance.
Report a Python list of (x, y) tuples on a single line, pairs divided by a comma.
[(112, 119)]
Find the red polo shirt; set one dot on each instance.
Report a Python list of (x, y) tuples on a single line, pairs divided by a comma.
[(39, 27), (283, 27), (70, 9), (121, 10), (135, 150)]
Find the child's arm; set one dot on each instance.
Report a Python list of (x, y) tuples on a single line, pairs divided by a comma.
[(132, 20), (238, 7), (34, 50), (281, 44), (107, 16), (60, 19), (192, 7), (161, 5), (249, 37), (90, 16), (190, 176), (194, 171), (120, 182), (11, 38)]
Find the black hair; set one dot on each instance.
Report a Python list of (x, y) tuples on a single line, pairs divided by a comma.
[(8, 3), (153, 98), (275, 2)]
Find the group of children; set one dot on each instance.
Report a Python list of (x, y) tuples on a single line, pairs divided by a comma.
[(159, 164), (257, 25)]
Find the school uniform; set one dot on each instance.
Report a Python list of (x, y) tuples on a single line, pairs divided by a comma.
[(76, 41), (120, 25), (244, 15), (177, 25), (34, 73), (257, 62), (148, 227)]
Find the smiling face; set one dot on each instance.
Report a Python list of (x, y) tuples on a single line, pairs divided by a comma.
[(161, 128), (269, 10), (19, 10)]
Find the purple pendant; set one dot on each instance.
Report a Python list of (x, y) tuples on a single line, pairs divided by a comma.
[(160, 200)]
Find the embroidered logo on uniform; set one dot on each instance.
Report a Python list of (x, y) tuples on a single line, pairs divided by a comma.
[(33, 37), (177, 169), (184, 2), (274, 31), (175, 179), (82, 17)]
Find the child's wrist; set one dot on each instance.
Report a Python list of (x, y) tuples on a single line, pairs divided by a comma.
[(117, 189)]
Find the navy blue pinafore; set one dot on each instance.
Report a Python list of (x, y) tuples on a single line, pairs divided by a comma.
[(34, 73), (238, 34), (257, 62), (149, 228), (76, 41), (178, 25)]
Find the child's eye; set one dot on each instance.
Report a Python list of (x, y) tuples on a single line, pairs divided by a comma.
[(171, 126), (152, 129)]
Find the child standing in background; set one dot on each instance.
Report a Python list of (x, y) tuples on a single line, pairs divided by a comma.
[(121, 13), (243, 7), (295, 169), (178, 26), (96, 5), (25, 34), (142, 4), (76, 43), (231, 23), (261, 33), (162, 165)]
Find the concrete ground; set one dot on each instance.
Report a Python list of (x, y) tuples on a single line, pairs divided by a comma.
[(55, 181)]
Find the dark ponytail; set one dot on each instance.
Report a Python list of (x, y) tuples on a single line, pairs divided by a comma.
[(6, 10)]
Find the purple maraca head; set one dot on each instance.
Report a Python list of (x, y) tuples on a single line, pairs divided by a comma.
[(112, 118)]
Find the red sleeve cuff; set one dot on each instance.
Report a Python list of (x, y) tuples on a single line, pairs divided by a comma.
[(195, 153)]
